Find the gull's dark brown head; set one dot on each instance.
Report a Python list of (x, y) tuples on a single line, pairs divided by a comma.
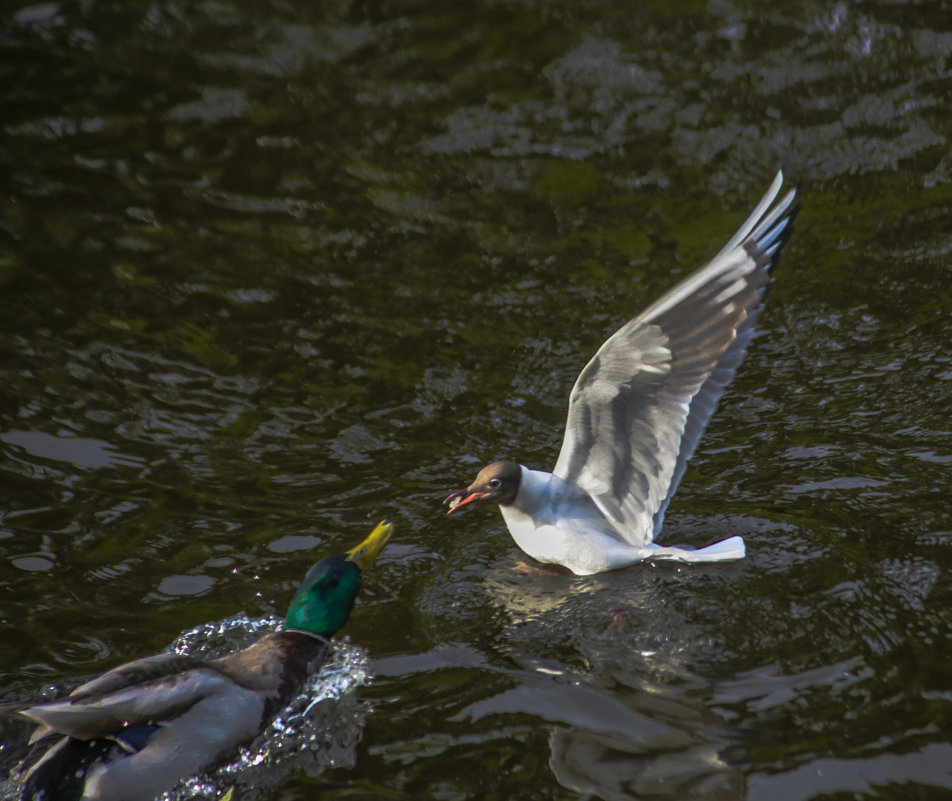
[(495, 483)]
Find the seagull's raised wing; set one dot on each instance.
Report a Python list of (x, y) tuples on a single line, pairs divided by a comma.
[(639, 407)]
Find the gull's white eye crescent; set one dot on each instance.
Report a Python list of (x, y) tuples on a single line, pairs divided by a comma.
[(494, 483)]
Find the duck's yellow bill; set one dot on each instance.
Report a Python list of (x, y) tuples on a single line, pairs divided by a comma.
[(367, 552)]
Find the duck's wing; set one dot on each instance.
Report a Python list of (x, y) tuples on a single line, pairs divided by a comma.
[(639, 407), (138, 671), (139, 728), (149, 690)]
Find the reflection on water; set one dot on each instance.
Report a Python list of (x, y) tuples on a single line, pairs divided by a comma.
[(268, 273), (926, 768), (79, 451), (634, 721)]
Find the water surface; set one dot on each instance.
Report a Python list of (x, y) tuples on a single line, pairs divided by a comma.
[(270, 273)]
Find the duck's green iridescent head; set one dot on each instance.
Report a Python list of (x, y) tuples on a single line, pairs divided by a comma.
[(323, 602)]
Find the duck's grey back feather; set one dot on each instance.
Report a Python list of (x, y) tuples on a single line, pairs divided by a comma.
[(641, 404)]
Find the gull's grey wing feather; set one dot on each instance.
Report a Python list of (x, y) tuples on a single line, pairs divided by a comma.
[(640, 405)]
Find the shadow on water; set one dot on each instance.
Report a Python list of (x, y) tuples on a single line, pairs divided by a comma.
[(271, 272)]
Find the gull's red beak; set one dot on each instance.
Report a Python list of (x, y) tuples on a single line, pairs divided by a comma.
[(462, 498)]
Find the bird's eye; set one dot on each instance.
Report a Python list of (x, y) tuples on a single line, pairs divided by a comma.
[(334, 579), (495, 483)]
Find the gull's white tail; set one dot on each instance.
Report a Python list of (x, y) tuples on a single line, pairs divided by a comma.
[(723, 551)]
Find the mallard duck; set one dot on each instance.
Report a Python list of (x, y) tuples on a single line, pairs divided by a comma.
[(636, 414), (133, 732)]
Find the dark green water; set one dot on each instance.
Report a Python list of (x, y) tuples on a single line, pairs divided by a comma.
[(270, 272)]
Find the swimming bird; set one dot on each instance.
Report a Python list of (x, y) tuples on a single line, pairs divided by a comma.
[(637, 411), (132, 733)]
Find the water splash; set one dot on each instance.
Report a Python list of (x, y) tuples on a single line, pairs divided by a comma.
[(211, 640), (318, 729)]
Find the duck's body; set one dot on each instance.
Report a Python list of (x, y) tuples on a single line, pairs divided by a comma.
[(637, 412), (147, 723), (133, 732)]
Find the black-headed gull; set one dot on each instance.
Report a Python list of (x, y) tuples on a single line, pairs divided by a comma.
[(637, 411)]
